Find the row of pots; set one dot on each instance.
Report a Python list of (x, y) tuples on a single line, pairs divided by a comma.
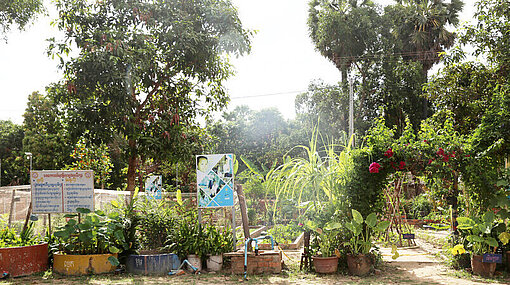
[(26, 260), (358, 265)]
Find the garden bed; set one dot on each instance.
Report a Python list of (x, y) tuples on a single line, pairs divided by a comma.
[(24, 260)]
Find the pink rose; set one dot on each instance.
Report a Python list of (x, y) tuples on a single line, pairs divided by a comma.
[(374, 167)]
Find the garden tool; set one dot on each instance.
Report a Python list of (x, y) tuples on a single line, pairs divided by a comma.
[(4, 275), (256, 240)]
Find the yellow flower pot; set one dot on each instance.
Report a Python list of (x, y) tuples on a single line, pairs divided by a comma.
[(82, 264)]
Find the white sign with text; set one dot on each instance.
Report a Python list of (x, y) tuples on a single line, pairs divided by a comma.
[(62, 191)]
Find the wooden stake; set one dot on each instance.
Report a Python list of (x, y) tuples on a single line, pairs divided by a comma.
[(12, 208)]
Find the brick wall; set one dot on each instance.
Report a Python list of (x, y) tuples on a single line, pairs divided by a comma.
[(268, 262)]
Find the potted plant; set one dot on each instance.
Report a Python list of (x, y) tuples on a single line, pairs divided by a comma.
[(481, 233), (324, 252), (360, 244), (155, 221), (25, 252), (187, 239), (89, 243), (217, 242)]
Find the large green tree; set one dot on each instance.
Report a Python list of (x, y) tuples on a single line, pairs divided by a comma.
[(146, 70), (14, 171), (18, 12), (45, 134)]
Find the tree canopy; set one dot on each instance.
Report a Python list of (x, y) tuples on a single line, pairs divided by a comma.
[(146, 70), (18, 13)]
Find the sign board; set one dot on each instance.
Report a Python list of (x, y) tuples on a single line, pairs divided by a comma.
[(62, 191), (408, 236), (153, 186), (215, 180), (492, 258)]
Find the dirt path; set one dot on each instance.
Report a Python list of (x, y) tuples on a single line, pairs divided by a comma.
[(422, 268)]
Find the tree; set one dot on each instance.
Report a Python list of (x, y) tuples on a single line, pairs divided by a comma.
[(45, 134), (146, 70), (13, 170), (343, 30), (325, 106), (420, 28), (18, 12)]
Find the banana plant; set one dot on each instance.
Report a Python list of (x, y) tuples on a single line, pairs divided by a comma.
[(363, 231)]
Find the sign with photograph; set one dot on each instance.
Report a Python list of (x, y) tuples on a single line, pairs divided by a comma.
[(62, 191), (153, 186), (215, 180)]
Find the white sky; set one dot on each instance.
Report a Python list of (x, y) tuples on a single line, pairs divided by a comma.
[(283, 60)]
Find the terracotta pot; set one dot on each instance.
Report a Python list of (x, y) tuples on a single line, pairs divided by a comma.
[(69, 264), (483, 269), (508, 261), (359, 265), (24, 260), (325, 264)]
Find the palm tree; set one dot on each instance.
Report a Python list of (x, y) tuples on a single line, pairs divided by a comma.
[(421, 28)]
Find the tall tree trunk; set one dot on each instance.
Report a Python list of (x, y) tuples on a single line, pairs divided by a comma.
[(132, 163)]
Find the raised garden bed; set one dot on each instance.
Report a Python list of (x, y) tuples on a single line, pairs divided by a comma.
[(267, 262), (149, 264), (24, 260)]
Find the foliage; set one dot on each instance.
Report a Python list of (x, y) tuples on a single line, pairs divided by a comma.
[(285, 233), (94, 157), (189, 236), (142, 70), (481, 233), (217, 240), (311, 180), (156, 222), (326, 243), (9, 237), (95, 233), (45, 135), (421, 28), (14, 168), (325, 106), (363, 231), (19, 13)]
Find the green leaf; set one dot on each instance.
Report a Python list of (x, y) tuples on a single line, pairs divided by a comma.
[(371, 220), (489, 217), (115, 203), (113, 260), (357, 217), (473, 238), (113, 249), (83, 210), (465, 223), (332, 226), (382, 226), (70, 215), (491, 241)]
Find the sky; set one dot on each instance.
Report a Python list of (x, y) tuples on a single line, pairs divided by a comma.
[(281, 65)]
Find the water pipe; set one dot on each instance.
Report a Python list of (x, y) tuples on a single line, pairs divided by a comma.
[(256, 240)]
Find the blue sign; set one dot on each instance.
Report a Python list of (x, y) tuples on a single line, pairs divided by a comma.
[(408, 236), (492, 258), (215, 180), (153, 186)]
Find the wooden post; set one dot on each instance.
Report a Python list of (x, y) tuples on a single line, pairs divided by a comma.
[(244, 214), (12, 208), (29, 212), (49, 225)]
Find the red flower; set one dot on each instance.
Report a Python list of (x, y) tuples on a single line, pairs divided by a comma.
[(430, 161), (389, 153), (440, 151), (402, 165), (374, 167), (446, 158)]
